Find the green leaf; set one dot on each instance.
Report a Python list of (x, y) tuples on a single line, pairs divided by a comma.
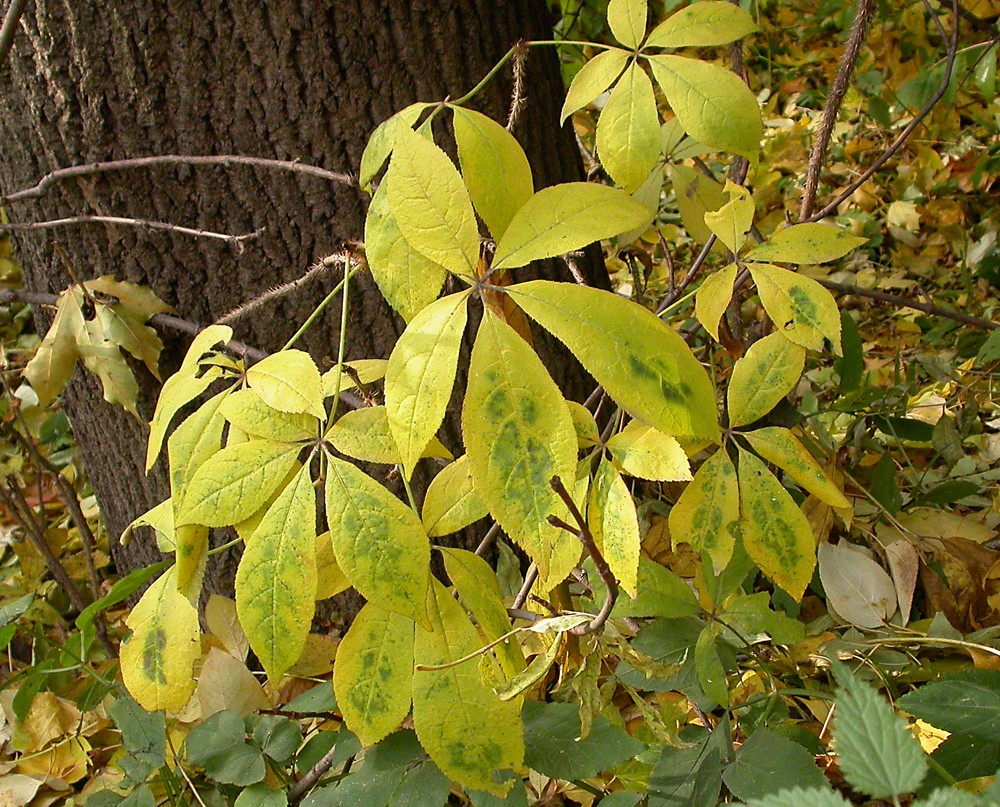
[(712, 104), (421, 373), (566, 217), (408, 280), (373, 673), (776, 534), (587, 433), (779, 446), (467, 731), (236, 482), (732, 222), (431, 205), (966, 702), (379, 542), (767, 763), (627, 19), (714, 296), (644, 452), (807, 243), (706, 509), (802, 310), (144, 735), (613, 520), (692, 774), (813, 796), (767, 373), (184, 386), (628, 130), (706, 24), (661, 593), (289, 381), (494, 167), (593, 79), (479, 592), (158, 657), (639, 360), (711, 673), (518, 436), (452, 501), (553, 746), (383, 140), (259, 796), (247, 412), (51, 368), (219, 746), (276, 581), (877, 754), (852, 366)]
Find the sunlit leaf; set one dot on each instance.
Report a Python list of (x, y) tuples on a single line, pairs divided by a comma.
[(421, 373), (711, 102), (379, 542), (276, 580), (383, 140), (802, 310), (732, 222), (431, 206), (628, 130), (766, 374), (452, 501), (373, 673), (807, 243), (779, 446), (158, 658), (705, 24), (594, 78), (565, 217), (494, 167), (247, 411), (713, 298), (706, 509), (289, 381), (129, 331), (627, 19), (644, 452), (639, 360), (140, 301), (776, 533), (331, 579), (466, 729), (103, 358), (615, 525)]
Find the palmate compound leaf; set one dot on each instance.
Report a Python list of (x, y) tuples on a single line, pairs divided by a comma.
[(640, 361), (806, 243), (246, 410), (184, 386), (383, 139), (708, 23), (802, 310), (494, 167), (158, 657), (363, 434), (236, 482), (627, 19), (289, 381), (593, 79), (52, 365), (373, 673), (431, 206), (776, 533), (421, 373), (518, 435), (612, 518), (407, 279), (762, 377), (713, 298), (565, 217), (276, 581), (452, 501), (877, 754), (779, 446), (460, 722), (706, 509), (379, 542), (646, 453), (628, 130), (711, 102)]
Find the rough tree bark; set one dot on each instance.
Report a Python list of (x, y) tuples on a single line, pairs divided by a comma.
[(287, 79)]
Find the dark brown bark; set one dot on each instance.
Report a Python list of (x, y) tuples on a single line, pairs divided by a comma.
[(90, 81)]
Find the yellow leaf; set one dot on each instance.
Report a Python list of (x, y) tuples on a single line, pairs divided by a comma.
[(594, 78), (615, 525), (696, 194), (289, 381), (732, 222), (158, 658), (802, 310), (761, 378), (463, 726), (373, 673), (704, 24), (223, 623), (452, 501), (647, 453), (706, 509), (331, 579), (807, 243), (713, 298), (363, 434), (628, 130), (52, 365), (276, 580), (246, 410), (779, 446), (627, 19)]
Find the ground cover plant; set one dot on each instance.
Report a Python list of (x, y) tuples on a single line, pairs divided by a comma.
[(758, 564)]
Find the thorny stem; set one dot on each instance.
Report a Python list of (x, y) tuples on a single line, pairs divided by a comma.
[(863, 17), (582, 531), (234, 240)]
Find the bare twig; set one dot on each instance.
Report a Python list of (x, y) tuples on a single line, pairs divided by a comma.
[(488, 539), (582, 531), (236, 240), (224, 160), (927, 308), (904, 135), (315, 773), (692, 273), (9, 27), (529, 580), (863, 17)]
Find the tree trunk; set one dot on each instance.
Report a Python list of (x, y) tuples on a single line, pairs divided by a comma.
[(307, 81)]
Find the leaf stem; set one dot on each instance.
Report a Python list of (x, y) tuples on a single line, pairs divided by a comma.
[(350, 271)]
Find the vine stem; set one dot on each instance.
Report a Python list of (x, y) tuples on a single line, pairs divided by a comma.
[(9, 28), (143, 224)]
